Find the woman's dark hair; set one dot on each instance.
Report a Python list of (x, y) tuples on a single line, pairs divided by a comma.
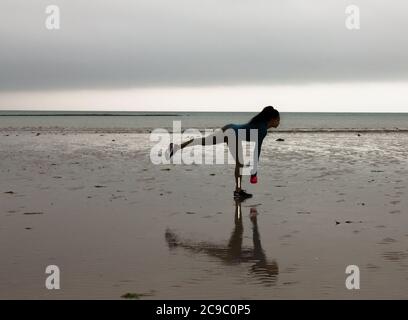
[(265, 115)]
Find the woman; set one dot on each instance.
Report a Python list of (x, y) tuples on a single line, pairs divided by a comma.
[(268, 118)]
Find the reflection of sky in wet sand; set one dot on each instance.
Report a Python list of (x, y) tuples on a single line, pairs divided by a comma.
[(105, 208), (234, 252)]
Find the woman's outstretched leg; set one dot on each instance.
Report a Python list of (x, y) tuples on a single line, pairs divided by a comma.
[(212, 139)]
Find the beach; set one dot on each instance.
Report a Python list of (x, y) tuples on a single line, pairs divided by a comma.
[(93, 204)]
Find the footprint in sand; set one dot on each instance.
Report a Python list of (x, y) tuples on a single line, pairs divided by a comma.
[(303, 212), (75, 188), (387, 240), (289, 283), (394, 256), (371, 266), (395, 211), (286, 236), (395, 202)]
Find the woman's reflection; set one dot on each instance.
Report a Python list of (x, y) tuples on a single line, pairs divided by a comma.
[(234, 253)]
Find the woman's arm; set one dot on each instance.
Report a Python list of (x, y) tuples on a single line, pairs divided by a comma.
[(257, 150), (257, 153)]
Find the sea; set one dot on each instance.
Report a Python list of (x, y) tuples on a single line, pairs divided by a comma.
[(148, 121)]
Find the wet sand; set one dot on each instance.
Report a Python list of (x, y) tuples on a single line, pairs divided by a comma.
[(94, 205)]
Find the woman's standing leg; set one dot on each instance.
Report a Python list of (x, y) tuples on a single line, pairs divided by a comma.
[(237, 153), (238, 177)]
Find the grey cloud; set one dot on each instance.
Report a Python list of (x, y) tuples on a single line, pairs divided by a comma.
[(134, 43)]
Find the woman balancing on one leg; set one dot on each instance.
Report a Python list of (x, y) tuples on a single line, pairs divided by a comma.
[(267, 118)]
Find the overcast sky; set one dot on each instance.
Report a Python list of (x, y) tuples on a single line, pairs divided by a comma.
[(204, 54)]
